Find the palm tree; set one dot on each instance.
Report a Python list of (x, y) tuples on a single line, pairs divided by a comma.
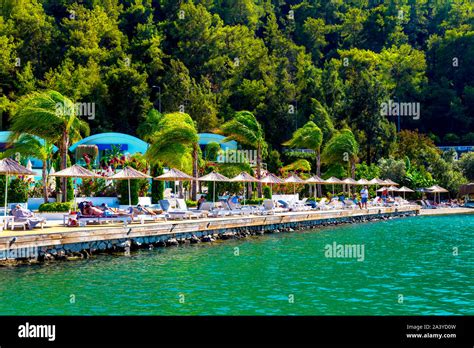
[(173, 141), (342, 148), (51, 116), (30, 146), (245, 129), (309, 136)]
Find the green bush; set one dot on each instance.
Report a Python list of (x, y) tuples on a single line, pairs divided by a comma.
[(157, 186), (267, 193), (55, 207), (122, 189), (18, 191), (191, 203), (254, 201)]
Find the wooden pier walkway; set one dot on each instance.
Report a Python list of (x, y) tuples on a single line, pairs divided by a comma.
[(53, 237)]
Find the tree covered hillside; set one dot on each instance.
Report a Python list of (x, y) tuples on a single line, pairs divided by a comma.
[(289, 62)]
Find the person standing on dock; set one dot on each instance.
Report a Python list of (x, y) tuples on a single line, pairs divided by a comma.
[(364, 194)]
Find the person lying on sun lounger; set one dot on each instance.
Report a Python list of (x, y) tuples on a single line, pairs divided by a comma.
[(21, 213), (91, 210)]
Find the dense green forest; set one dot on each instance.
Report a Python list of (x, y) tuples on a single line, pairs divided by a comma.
[(287, 61)]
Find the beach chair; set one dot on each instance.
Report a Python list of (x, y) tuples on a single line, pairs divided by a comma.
[(299, 205), (239, 209), (323, 205), (182, 206), (349, 204), (24, 222), (210, 209), (173, 213), (268, 207), (336, 204), (428, 205)]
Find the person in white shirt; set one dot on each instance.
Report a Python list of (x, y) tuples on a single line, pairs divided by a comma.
[(364, 194)]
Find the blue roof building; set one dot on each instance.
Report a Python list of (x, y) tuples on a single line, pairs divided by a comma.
[(206, 138), (127, 144)]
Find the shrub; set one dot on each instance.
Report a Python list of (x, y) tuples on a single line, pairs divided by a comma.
[(267, 193), (451, 139), (55, 207), (191, 203), (468, 139), (122, 188), (18, 190), (157, 186), (254, 201)]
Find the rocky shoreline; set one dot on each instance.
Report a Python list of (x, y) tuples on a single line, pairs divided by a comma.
[(81, 251)]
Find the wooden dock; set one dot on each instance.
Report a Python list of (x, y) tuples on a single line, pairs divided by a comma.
[(77, 238)]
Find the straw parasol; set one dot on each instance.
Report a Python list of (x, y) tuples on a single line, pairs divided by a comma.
[(404, 189), (466, 189), (390, 182), (293, 179), (316, 180), (363, 182), (377, 182), (271, 179), (436, 190), (129, 173), (333, 180), (214, 177), (349, 182), (10, 167), (174, 175), (245, 178), (75, 171)]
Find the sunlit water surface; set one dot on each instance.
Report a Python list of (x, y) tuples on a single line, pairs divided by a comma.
[(409, 268)]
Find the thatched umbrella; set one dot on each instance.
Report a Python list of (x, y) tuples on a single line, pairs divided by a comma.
[(391, 182), (349, 182), (174, 175), (437, 190), (271, 179), (293, 179), (377, 182), (466, 189), (316, 180), (129, 173), (213, 176), (363, 182), (333, 180), (245, 178), (404, 189), (10, 167), (75, 171)]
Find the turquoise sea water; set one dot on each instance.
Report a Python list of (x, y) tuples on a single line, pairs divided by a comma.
[(408, 269)]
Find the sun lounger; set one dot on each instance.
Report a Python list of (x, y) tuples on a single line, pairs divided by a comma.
[(336, 204), (238, 209), (182, 206), (323, 205), (174, 213), (85, 219), (297, 205), (427, 205), (349, 204), (213, 209)]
